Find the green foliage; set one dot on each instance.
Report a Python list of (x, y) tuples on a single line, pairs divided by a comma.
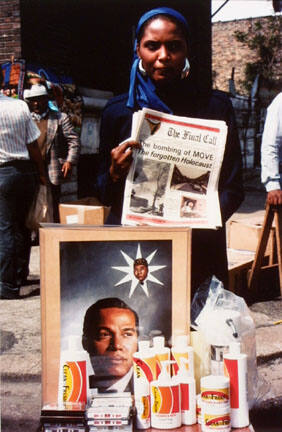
[(264, 38)]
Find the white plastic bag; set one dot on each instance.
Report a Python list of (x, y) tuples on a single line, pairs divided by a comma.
[(223, 317)]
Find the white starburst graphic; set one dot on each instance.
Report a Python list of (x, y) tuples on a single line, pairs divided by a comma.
[(129, 270)]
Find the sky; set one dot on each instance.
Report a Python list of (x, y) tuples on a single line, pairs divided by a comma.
[(239, 9)]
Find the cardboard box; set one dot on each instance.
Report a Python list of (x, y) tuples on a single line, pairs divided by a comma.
[(238, 279), (239, 265), (244, 234), (87, 211)]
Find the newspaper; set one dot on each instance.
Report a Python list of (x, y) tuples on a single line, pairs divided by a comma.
[(173, 180)]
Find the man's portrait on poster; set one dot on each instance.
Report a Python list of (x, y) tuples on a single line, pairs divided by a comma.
[(110, 336)]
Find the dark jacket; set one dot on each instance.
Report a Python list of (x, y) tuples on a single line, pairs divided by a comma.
[(116, 127)]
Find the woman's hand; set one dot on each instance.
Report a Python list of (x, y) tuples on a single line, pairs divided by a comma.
[(121, 159)]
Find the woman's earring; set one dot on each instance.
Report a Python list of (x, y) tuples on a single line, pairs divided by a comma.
[(141, 68), (186, 69)]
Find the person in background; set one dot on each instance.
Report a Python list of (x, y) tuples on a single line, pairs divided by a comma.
[(59, 143), (271, 152), (110, 333), (160, 80), (20, 164)]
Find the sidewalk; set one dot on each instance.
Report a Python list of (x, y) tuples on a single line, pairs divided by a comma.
[(21, 352)]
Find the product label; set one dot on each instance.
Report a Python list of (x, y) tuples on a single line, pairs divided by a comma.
[(160, 358), (176, 356), (231, 371), (165, 400), (218, 422), (146, 407), (105, 423), (142, 404), (144, 368), (198, 414), (217, 396), (184, 397), (74, 386)]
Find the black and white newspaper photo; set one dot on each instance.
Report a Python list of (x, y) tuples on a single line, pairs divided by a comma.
[(173, 180)]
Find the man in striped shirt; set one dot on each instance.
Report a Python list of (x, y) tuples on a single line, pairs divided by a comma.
[(20, 165)]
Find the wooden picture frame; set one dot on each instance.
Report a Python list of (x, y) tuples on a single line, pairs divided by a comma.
[(77, 263)]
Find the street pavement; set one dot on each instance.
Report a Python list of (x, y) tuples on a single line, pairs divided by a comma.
[(21, 352)]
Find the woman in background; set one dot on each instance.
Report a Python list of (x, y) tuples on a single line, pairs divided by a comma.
[(159, 80)]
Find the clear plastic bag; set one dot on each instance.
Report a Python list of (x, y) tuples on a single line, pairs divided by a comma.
[(223, 317), (41, 209)]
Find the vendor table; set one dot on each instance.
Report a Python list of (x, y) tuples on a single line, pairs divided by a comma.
[(197, 428)]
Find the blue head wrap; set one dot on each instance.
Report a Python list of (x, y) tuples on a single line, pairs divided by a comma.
[(142, 91)]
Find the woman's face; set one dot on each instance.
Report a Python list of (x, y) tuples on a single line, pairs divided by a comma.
[(163, 50)]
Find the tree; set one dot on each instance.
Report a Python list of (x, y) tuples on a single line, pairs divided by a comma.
[(264, 38)]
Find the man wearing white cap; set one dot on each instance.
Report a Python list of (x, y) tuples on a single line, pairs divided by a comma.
[(58, 142), (20, 163)]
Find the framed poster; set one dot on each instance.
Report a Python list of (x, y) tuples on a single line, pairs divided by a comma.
[(84, 269)]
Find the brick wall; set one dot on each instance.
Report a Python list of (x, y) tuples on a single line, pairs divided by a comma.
[(228, 53), (10, 30)]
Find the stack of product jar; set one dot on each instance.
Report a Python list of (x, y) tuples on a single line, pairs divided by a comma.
[(215, 403), (223, 400)]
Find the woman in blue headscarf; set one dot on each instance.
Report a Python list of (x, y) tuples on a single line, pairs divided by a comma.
[(160, 80)]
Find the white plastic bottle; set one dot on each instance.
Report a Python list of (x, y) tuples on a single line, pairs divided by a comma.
[(165, 400), (142, 377), (162, 353), (179, 350), (235, 367), (188, 394), (73, 375)]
